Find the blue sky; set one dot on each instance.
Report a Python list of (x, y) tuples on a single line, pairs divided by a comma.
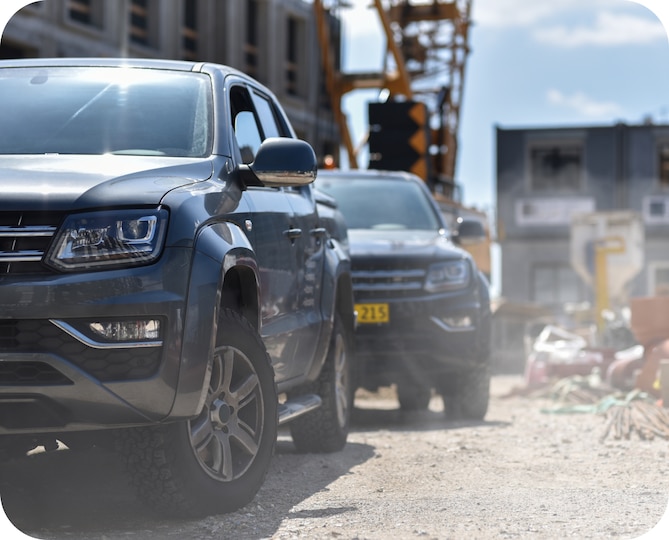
[(536, 63)]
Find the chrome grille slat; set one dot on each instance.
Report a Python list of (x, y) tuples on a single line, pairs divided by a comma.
[(24, 238), (393, 282), (23, 256), (11, 232)]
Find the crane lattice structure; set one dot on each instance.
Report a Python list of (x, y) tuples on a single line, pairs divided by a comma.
[(425, 57)]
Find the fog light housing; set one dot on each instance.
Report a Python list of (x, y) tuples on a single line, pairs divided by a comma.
[(458, 322), (454, 324), (127, 331)]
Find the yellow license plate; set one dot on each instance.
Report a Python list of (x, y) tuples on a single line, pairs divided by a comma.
[(373, 313)]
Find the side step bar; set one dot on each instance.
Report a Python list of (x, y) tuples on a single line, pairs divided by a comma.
[(298, 406)]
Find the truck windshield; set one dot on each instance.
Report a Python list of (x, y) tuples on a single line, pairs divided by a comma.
[(79, 110), (381, 203)]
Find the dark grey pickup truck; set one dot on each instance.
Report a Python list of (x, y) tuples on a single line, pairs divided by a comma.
[(423, 307), (165, 276)]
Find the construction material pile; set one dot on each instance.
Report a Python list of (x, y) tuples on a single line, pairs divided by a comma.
[(635, 413), (637, 416)]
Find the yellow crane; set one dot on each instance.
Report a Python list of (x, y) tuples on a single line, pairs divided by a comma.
[(426, 49)]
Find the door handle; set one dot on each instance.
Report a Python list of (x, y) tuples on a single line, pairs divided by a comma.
[(319, 232), (293, 233)]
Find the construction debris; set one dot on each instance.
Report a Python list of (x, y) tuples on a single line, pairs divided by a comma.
[(648, 420), (627, 414)]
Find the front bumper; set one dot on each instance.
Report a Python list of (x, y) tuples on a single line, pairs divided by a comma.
[(53, 378), (436, 332)]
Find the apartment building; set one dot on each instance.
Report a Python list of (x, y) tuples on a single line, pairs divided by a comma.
[(274, 41), (547, 177)]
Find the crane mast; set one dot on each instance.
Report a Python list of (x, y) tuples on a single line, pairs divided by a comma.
[(426, 48)]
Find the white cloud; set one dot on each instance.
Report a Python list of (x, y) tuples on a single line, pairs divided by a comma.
[(602, 22), (583, 105), (524, 13), (608, 29)]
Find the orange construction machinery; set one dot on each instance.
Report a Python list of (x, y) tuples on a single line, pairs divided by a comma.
[(415, 128)]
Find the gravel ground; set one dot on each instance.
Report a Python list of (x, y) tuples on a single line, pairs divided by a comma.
[(522, 473)]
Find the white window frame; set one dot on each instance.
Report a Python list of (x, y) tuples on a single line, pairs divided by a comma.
[(653, 268)]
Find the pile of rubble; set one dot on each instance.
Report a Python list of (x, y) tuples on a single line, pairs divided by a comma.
[(629, 387)]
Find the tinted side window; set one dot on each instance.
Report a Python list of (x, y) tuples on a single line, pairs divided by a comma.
[(267, 116), (247, 129), (248, 136)]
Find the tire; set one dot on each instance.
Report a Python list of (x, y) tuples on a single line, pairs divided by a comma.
[(214, 463), (473, 393), (326, 428), (413, 396)]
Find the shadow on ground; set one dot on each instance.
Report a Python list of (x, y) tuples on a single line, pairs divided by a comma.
[(84, 495), (77, 495)]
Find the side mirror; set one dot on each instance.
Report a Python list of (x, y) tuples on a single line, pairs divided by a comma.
[(469, 231), (281, 161)]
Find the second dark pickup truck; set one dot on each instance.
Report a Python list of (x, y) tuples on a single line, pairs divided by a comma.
[(423, 306)]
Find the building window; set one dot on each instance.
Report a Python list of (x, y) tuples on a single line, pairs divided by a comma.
[(294, 45), (663, 156), (659, 279), (189, 35), (87, 12), (251, 45), (324, 99), (553, 284), (556, 167), (656, 209), (143, 22)]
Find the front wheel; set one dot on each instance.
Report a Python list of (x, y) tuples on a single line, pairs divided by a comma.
[(216, 462), (473, 393), (466, 394), (326, 428)]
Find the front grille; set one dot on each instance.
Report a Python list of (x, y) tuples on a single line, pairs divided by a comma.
[(106, 365), (376, 279), (24, 238), (389, 281)]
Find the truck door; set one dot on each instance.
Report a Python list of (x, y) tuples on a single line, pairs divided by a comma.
[(309, 260), (279, 236)]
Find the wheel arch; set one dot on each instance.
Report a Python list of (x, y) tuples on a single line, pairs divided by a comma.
[(223, 275), (239, 293)]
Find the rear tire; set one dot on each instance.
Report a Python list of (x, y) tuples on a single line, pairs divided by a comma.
[(326, 428), (216, 462), (413, 396)]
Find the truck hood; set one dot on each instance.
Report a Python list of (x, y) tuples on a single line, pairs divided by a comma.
[(366, 243), (61, 182)]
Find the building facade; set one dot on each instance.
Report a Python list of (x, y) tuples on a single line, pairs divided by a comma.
[(548, 177), (274, 41)]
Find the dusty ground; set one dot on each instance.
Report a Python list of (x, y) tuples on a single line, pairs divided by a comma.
[(522, 473)]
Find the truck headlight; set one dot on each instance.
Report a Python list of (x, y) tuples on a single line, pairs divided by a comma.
[(108, 239), (447, 276)]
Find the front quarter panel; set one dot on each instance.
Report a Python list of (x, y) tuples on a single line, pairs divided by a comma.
[(219, 248)]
